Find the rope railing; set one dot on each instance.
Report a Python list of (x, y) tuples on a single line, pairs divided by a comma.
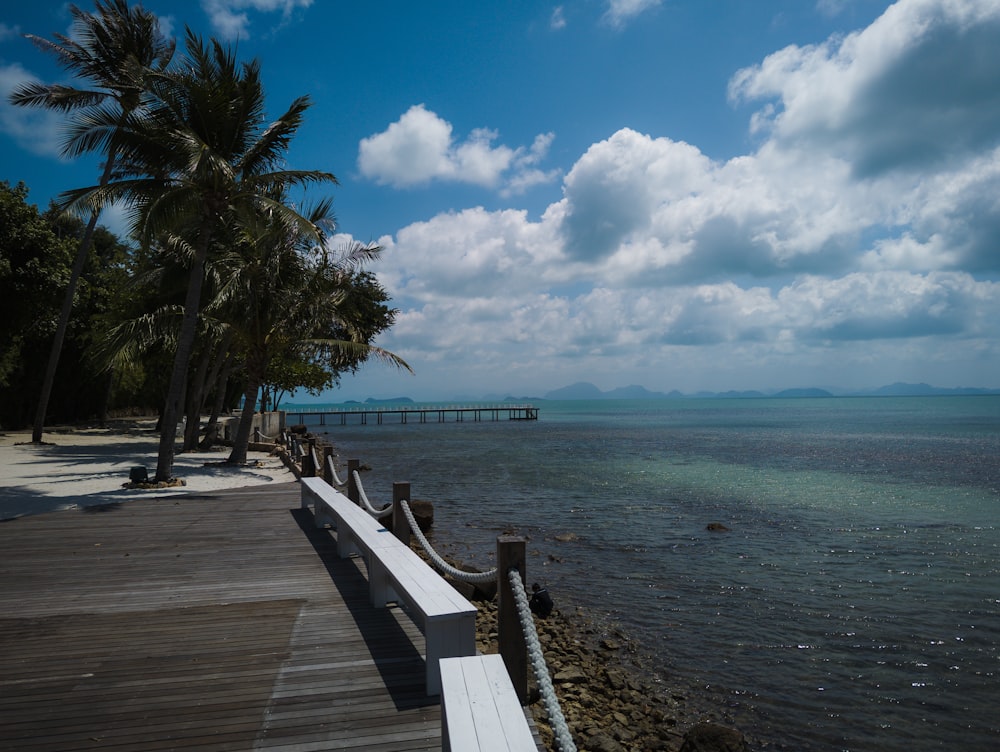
[(364, 498), (441, 564), (536, 657), (538, 666), (333, 473)]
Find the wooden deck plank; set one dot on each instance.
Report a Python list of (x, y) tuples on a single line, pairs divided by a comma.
[(200, 622)]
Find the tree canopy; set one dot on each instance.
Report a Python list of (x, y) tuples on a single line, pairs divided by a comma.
[(240, 289)]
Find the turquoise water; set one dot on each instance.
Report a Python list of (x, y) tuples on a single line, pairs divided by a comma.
[(854, 602)]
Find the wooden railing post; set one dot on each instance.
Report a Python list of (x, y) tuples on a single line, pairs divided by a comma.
[(308, 466), (513, 649), (352, 485), (400, 525), (326, 459)]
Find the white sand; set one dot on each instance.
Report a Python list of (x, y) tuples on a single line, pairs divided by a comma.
[(88, 466)]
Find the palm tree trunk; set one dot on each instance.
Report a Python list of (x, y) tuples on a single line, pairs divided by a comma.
[(195, 401), (67, 309), (238, 455), (220, 377), (178, 375)]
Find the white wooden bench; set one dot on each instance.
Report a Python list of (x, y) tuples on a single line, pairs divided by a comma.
[(395, 573), (479, 707)]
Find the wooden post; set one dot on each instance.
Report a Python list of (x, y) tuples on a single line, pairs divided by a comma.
[(352, 486), (308, 466), (256, 435), (400, 525), (513, 649), (326, 459)]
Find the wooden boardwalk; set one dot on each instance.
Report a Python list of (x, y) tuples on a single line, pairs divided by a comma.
[(219, 621)]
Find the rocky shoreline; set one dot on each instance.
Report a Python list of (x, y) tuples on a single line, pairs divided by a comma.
[(608, 704)]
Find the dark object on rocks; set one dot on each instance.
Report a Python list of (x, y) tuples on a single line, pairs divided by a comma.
[(716, 527), (138, 474), (541, 602), (710, 737), (298, 429)]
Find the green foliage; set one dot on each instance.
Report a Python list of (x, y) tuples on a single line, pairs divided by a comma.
[(36, 252), (228, 270)]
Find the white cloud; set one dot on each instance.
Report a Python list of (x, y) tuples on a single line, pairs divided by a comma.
[(231, 20), (420, 148), (621, 12), (822, 250), (8, 32), (37, 130), (558, 19), (915, 90)]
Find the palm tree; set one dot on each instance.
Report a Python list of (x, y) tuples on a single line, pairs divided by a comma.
[(280, 291), (113, 52), (199, 159)]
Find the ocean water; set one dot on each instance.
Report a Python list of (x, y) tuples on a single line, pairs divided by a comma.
[(853, 603)]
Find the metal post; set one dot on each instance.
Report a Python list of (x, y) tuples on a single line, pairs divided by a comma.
[(352, 485), (513, 649), (400, 525)]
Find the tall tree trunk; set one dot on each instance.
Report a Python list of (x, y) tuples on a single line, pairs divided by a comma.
[(196, 399), (220, 380), (67, 309), (238, 456), (178, 375)]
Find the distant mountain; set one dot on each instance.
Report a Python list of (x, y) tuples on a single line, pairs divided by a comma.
[(792, 393), (583, 390), (586, 391), (578, 391)]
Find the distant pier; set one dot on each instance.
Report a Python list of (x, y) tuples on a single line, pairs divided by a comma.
[(361, 414)]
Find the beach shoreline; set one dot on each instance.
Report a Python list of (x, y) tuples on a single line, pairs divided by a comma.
[(88, 465)]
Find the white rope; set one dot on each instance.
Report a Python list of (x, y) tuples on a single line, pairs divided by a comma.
[(556, 720), (364, 498), (458, 574), (333, 472), (263, 435)]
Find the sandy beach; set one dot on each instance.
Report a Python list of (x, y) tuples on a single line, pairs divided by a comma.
[(82, 466)]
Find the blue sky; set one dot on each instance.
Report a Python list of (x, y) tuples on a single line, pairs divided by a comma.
[(684, 194)]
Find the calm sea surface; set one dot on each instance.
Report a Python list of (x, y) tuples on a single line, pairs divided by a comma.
[(854, 603)]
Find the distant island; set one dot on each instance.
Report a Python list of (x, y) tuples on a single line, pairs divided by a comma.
[(586, 391)]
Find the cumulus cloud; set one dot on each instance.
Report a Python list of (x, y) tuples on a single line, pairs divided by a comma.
[(863, 229), (420, 147), (913, 91), (231, 19)]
